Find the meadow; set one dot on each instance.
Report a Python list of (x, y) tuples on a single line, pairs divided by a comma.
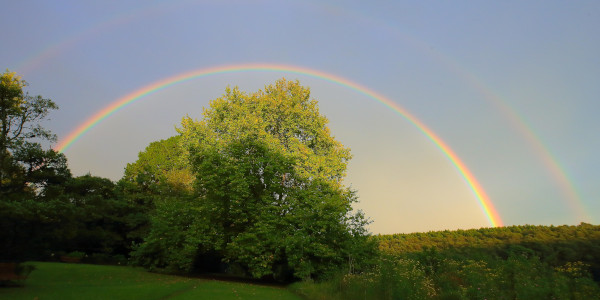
[(82, 281)]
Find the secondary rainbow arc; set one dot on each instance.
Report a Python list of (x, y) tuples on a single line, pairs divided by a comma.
[(478, 191)]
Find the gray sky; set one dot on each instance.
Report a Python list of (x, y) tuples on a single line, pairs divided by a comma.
[(512, 87)]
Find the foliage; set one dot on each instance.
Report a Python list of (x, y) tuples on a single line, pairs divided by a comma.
[(160, 166), (283, 118), (160, 184), (97, 214), (159, 173), (268, 196), (21, 156), (106, 221), (31, 228), (554, 245), (510, 267), (43, 210), (30, 177), (83, 215), (166, 246)]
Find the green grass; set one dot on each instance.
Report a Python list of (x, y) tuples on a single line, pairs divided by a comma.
[(80, 281)]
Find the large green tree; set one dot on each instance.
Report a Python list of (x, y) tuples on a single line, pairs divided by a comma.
[(269, 192)]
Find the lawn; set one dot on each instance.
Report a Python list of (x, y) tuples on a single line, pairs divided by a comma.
[(81, 281)]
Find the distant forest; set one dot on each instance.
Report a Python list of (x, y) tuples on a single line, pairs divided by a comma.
[(554, 245), (516, 262)]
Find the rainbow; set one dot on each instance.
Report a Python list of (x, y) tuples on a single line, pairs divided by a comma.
[(476, 188)]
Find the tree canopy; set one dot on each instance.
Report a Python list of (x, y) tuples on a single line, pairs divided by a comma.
[(268, 194), (283, 118)]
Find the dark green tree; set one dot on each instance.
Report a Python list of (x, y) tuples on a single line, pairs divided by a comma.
[(102, 218), (33, 218), (20, 132)]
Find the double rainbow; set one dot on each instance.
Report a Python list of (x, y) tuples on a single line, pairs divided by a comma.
[(482, 197)]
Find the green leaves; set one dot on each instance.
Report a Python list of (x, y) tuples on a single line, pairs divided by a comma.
[(283, 117), (269, 183), (160, 168)]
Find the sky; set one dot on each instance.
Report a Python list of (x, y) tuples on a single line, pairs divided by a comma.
[(510, 87)]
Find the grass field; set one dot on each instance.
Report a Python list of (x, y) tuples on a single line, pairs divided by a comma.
[(80, 281)]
